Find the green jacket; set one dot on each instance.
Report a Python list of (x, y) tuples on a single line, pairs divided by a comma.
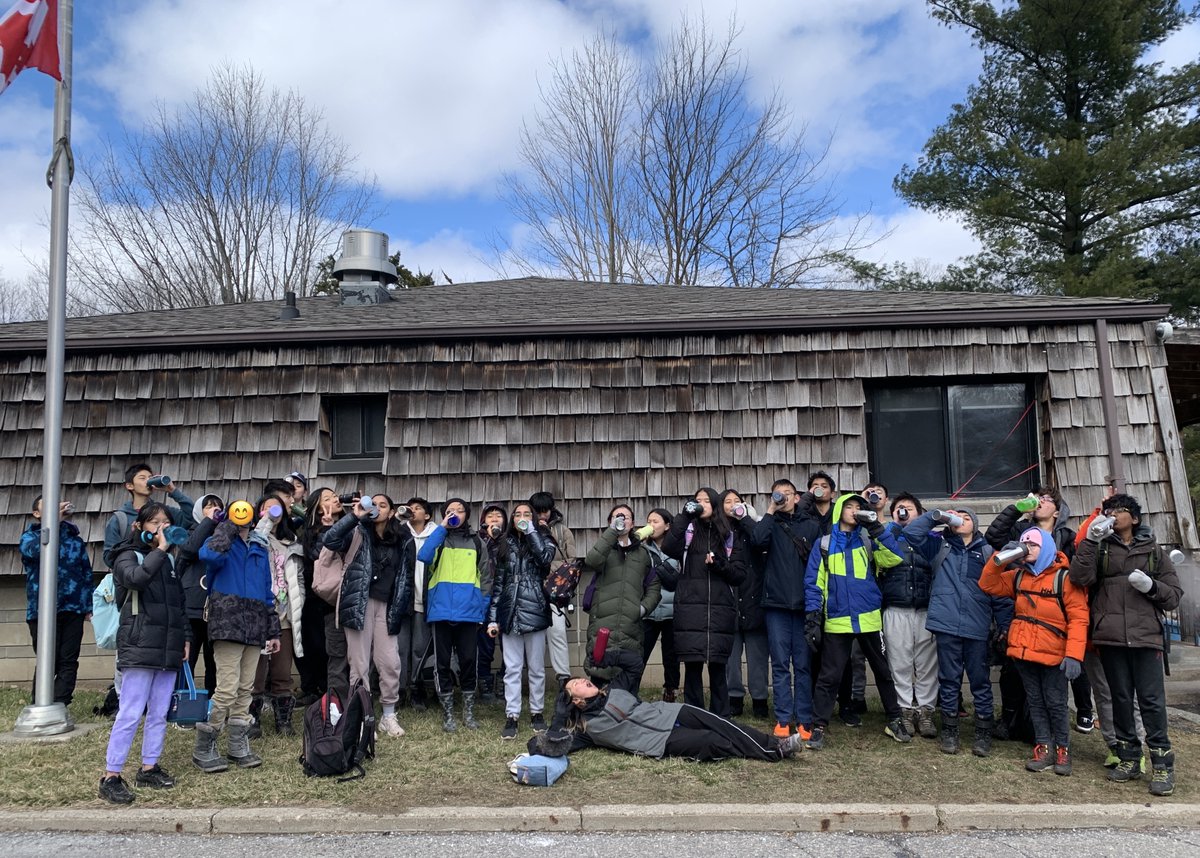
[(620, 602)]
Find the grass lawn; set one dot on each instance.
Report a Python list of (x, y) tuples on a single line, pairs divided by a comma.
[(428, 767)]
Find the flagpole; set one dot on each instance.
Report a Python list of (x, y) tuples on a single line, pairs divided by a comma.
[(45, 717)]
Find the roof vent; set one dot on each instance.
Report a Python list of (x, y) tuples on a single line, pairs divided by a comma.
[(363, 271), (289, 310)]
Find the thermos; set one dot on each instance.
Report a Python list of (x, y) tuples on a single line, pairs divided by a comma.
[(368, 507), (619, 524), (159, 481), (866, 516), (902, 513), (348, 499), (777, 498), (525, 525), (692, 507), (1009, 555), (948, 518), (874, 498), (818, 492), (402, 512), (601, 644), (1101, 527), (454, 519), (739, 510)]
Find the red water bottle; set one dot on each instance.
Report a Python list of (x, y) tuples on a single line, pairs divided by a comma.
[(601, 645)]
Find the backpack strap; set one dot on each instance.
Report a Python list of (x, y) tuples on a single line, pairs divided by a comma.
[(1056, 590)]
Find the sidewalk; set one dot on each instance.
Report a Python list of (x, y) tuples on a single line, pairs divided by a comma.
[(869, 818)]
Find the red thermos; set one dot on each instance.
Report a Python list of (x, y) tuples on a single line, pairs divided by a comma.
[(601, 645)]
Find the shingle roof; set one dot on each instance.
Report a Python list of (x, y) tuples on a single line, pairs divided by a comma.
[(539, 307)]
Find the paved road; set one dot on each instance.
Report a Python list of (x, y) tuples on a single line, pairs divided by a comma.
[(1051, 844)]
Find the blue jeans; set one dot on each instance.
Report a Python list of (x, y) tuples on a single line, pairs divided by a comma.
[(791, 666), (956, 655)]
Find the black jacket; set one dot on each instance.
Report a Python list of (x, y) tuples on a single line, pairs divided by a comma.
[(906, 585), (750, 613), (786, 540), (1010, 523), (154, 623), (192, 569), (705, 598), (356, 584), (519, 605)]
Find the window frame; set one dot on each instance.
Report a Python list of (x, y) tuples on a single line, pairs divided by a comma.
[(363, 460)]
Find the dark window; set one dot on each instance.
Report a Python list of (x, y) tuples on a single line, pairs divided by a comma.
[(964, 439), (355, 426)]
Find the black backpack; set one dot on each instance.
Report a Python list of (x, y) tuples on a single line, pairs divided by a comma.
[(336, 746)]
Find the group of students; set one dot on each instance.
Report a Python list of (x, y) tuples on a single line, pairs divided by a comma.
[(807, 594)]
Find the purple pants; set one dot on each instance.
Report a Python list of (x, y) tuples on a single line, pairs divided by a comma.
[(147, 691)]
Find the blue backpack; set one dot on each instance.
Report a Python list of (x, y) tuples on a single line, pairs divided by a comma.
[(106, 613)]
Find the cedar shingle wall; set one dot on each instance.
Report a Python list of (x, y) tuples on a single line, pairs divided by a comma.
[(649, 419)]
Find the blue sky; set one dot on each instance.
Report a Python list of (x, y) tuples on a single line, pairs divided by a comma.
[(431, 95)]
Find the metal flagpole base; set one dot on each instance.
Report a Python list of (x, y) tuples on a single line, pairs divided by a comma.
[(48, 720)]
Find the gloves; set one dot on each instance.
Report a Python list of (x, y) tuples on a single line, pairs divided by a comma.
[(1071, 667), (1140, 581), (219, 515), (223, 537), (813, 622), (555, 742), (875, 529)]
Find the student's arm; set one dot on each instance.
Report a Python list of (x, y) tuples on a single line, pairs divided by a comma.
[(629, 668), (135, 576), (760, 533), (1083, 564), (483, 568), (1075, 601), (1000, 531), (428, 552), (675, 541), (183, 515), (1165, 591), (112, 538), (339, 535), (653, 594), (996, 580), (199, 535), (919, 535), (814, 597), (543, 549), (31, 545), (887, 553), (597, 556)]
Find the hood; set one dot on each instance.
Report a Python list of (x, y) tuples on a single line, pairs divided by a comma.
[(198, 506), (483, 514), (424, 534), (836, 511), (1047, 555)]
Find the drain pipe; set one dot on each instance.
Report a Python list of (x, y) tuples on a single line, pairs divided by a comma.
[(1108, 403)]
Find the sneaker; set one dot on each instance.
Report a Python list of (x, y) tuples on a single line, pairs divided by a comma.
[(816, 739), (1062, 761), (925, 725), (1084, 723), (1126, 770), (510, 728), (1040, 760), (1162, 778), (154, 777), (537, 722), (896, 730), (782, 731), (391, 725), (1112, 759), (791, 746), (849, 717), (114, 789), (803, 731)]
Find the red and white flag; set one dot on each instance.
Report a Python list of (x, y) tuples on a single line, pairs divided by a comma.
[(28, 39)]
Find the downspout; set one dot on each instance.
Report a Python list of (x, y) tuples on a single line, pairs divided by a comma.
[(1108, 402)]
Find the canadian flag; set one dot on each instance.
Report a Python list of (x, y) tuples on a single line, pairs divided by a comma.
[(29, 39)]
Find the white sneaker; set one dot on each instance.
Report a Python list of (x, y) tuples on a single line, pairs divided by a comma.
[(390, 725)]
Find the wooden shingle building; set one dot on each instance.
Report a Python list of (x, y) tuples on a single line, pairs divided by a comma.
[(601, 393)]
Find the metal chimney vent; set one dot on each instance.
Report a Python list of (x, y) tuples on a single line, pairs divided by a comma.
[(363, 270)]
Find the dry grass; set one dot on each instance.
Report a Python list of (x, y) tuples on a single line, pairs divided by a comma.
[(428, 767)]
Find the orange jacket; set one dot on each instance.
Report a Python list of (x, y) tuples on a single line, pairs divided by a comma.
[(1040, 632)]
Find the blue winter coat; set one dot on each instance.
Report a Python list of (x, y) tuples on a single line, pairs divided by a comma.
[(956, 604), (75, 583)]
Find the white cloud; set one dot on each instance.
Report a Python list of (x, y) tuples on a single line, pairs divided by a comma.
[(1182, 47), (447, 254), (920, 237)]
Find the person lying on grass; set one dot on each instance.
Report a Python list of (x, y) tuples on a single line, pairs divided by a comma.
[(612, 716)]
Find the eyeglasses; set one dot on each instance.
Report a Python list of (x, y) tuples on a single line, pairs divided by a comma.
[(1117, 509), (1047, 498)]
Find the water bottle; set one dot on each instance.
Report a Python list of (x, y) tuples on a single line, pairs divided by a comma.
[(818, 492), (494, 531), (159, 481), (275, 511), (947, 518), (739, 510), (1010, 555), (526, 526), (402, 512), (453, 520), (176, 535), (777, 498), (368, 507), (692, 508), (1177, 556), (1027, 503), (619, 524), (348, 499), (147, 537), (866, 516), (601, 644), (873, 498), (1101, 527), (902, 514)]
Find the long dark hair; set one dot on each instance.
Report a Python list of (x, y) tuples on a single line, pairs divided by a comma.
[(283, 529), (719, 520), (313, 528), (393, 530)]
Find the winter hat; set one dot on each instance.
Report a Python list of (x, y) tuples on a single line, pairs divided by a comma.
[(1033, 535), (1048, 553), (970, 513), (198, 506), (465, 505), (484, 512)]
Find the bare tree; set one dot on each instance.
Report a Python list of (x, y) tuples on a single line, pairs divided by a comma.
[(671, 175), (233, 197)]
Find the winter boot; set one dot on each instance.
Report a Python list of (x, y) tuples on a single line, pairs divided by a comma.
[(1130, 766), (448, 723), (205, 753), (418, 697), (737, 705), (925, 725), (949, 741), (284, 705), (909, 718), (257, 703), (239, 744), (759, 708), (487, 691), (469, 711), (1162, 771), (982, 745)]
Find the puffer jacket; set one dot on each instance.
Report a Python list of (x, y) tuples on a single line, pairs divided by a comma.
[(906, 585), (1120, 615), (846, 587), (786, 540), (666, 605), (192, 570), (616, 719), (519, 605), (621, 601), (289, 604), (956, 604), (356, 582), (1010, 523), (241, 603), (75, 583), (750, 613), (1042, 631), (458, 576), (154, 625), (706, 595)]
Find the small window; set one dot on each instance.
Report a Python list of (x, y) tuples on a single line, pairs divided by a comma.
[(352, 433), (960, 439)]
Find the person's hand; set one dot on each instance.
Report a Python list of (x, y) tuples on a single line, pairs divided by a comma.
[(65, 508), (272, 646), (874, 529), (1071, 668), (187, 650), (813, 622), (1140, 581), (169, 487), (160, 539), (493, 630), (217, 514)]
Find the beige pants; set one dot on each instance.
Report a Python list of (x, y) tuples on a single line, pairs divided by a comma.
[(236, 665), (374, 642)]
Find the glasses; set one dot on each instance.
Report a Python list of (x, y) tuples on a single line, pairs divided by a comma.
[(1047, 498), (1117, 509)]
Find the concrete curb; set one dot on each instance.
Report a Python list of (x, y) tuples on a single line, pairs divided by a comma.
[(869, 818)]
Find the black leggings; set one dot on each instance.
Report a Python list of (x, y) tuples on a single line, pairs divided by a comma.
[(701, 735)]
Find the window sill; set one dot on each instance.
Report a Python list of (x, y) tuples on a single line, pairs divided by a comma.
[(373, 465)]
